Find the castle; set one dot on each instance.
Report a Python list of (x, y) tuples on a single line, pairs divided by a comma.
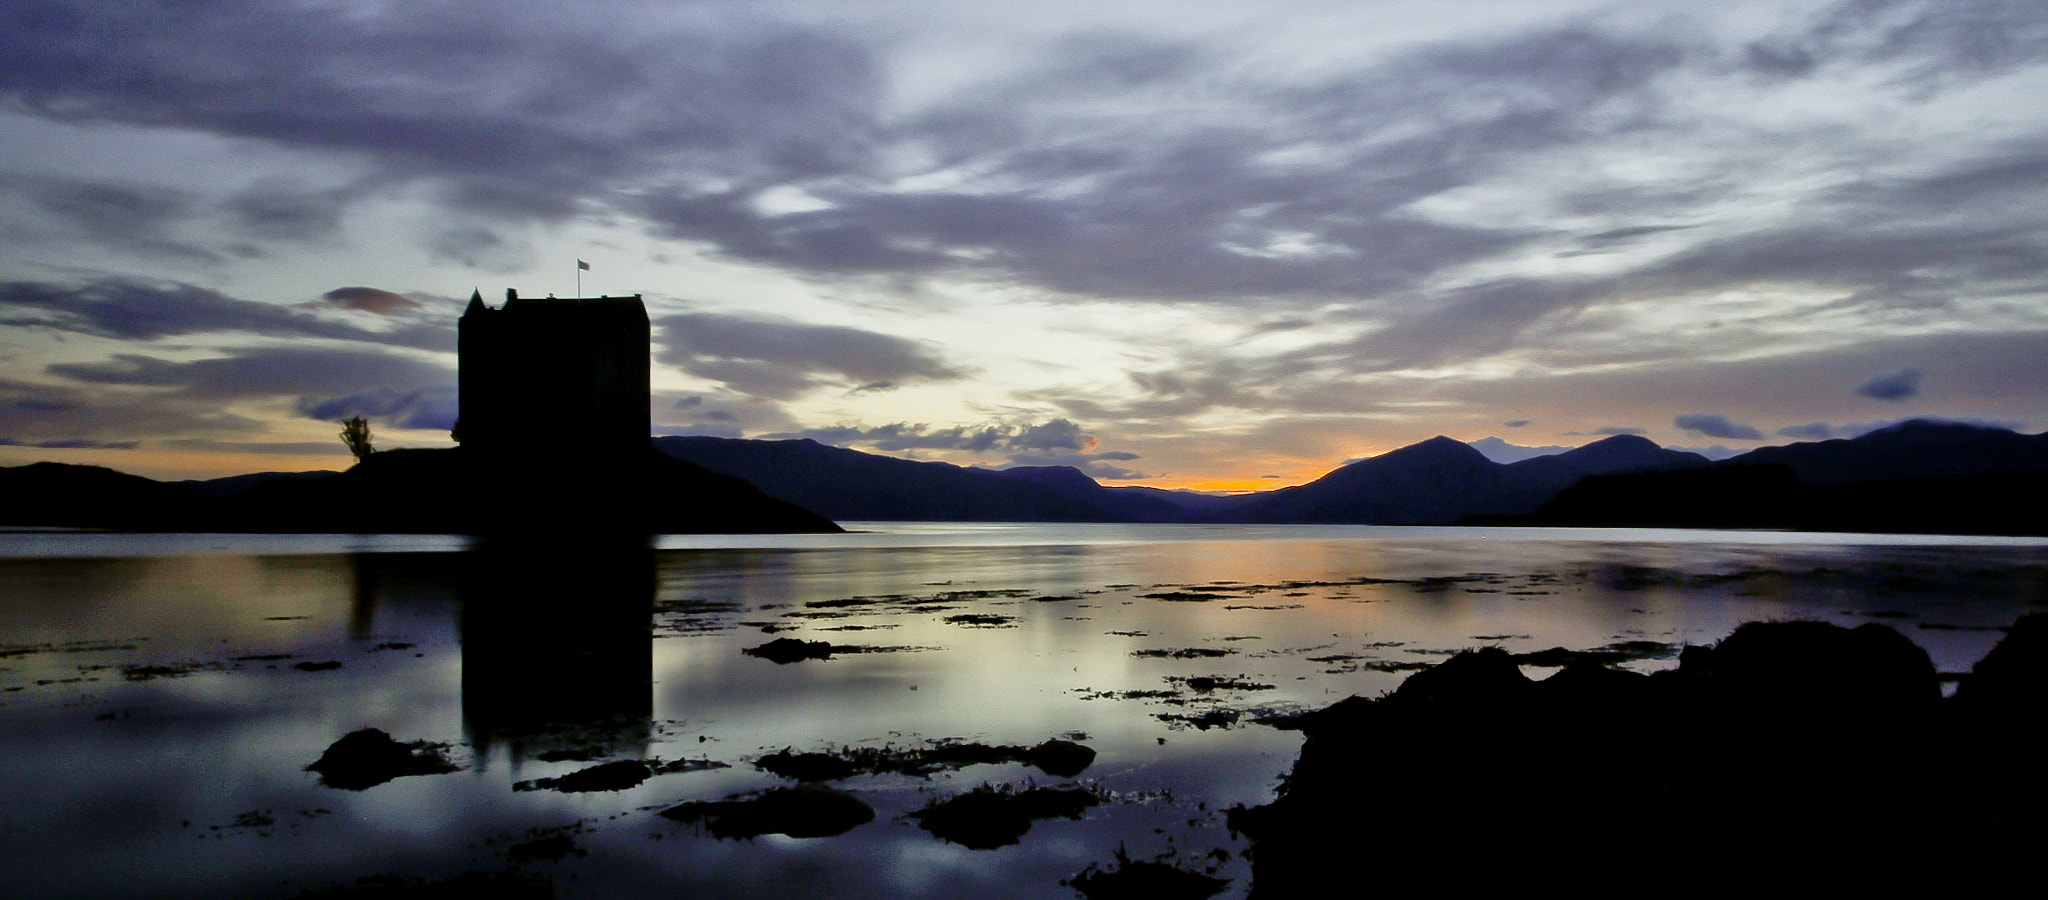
[(554, 376)]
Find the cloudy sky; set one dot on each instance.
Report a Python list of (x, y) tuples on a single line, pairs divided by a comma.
[(1223, 245)]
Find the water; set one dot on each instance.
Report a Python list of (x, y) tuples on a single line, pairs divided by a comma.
[(156, 721)]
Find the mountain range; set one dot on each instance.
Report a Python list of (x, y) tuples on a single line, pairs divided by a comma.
[(1915, 476)]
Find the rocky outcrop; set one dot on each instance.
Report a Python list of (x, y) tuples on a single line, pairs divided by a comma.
[(367, 757), (1790, 750)]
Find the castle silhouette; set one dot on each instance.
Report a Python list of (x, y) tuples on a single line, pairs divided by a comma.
[(535, 370)]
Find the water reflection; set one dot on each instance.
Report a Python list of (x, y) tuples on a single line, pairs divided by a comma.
[(154, 708), (557, 648)]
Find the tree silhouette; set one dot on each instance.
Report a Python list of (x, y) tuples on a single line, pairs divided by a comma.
[(356, 434)]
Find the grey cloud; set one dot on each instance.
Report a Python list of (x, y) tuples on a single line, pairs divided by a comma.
[(1058, 434), (132, 309), (1818, 431), (1053, 435), (312, 376), (434, 408), (281, 212), (48, 415), (535, 115), (369, 299), (901, 436), (129, 216), (1473, 322), (1616, 235), (1717, 426), (1980, 370), (781, 360), (1899, 385), (519, 111), (1517, 423), (967, 438), (1812, 431), (72, 444), (473, 247)]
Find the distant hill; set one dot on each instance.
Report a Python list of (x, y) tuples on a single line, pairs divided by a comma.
[(1916, 477), (414, 492), (60, 495), (215, 488), (1190, 503), (1116, 504), (1441, 481), (847, 485), (1435, 482), (1915, 449)]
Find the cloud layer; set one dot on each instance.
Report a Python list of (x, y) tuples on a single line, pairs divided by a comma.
[(1270, 235)]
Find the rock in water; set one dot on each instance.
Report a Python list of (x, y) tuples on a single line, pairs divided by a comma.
[(783, 651), (808, 811), (1062, 758), (368, 757)]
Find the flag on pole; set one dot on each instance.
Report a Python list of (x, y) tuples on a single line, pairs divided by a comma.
[(582, 266)]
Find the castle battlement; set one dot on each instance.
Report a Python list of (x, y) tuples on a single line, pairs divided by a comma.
[(554, 376)]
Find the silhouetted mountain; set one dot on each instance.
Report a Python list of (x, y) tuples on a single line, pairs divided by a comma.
[(216, 488), (1753, 496), (1914, 449), (1189, 503), (416, 492), (1114, 504), (62, 495), (1536, 481), (1440, 481), (848, 484), (1437, 481), (1924, 477), (2013, 503)]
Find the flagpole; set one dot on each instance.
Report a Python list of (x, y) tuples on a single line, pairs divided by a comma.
[(579, 278)]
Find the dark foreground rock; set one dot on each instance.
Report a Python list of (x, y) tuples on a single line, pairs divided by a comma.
[(807, 811), (1057, 757), (612, 776), (994, 816), (783, 651), (1791, 753), (368, 757), (1145, 881)]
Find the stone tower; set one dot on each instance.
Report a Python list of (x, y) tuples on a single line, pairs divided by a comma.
[(554, 377)]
